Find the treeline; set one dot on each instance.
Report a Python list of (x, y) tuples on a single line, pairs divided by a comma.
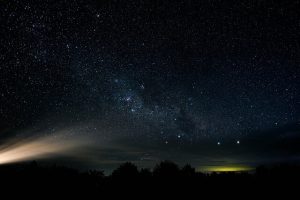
[(165, 176)]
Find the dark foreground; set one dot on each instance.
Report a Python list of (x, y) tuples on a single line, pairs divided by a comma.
[(165, 179)]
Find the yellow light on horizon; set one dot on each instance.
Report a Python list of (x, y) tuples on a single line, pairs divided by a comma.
[(225, 168)]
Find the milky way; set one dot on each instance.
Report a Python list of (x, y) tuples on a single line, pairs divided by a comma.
[(209, 83)]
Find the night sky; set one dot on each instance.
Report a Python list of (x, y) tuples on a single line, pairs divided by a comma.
[(210, 83)]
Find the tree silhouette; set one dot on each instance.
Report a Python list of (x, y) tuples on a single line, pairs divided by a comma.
[(188, 171), (145, 173), (166, 176), (126, 170), (166, 169)]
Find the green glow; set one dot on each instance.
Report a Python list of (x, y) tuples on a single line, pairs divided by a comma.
[(232, 168)]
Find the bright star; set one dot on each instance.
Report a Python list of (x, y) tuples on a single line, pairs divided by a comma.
[(128, 99)]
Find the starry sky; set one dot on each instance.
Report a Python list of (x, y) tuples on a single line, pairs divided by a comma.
[(210, 83)]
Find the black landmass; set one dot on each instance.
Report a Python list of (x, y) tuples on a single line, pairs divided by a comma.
[(34, 180)]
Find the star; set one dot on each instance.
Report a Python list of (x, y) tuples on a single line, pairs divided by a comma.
[(128, 99), (132, 110)]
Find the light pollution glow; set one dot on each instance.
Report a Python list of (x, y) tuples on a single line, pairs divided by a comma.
[(35, 148), (55, 145), (229, 168)]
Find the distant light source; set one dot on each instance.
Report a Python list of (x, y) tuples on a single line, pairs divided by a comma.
[(219, 143), (37, 147), (229, 168), (238, 142)]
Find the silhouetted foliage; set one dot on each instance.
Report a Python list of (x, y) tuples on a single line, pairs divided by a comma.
[(188, 171), (145, 173), (166, 169), (126, 170), (166, 177)]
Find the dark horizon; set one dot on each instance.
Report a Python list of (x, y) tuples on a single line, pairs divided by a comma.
[(166, 178)]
